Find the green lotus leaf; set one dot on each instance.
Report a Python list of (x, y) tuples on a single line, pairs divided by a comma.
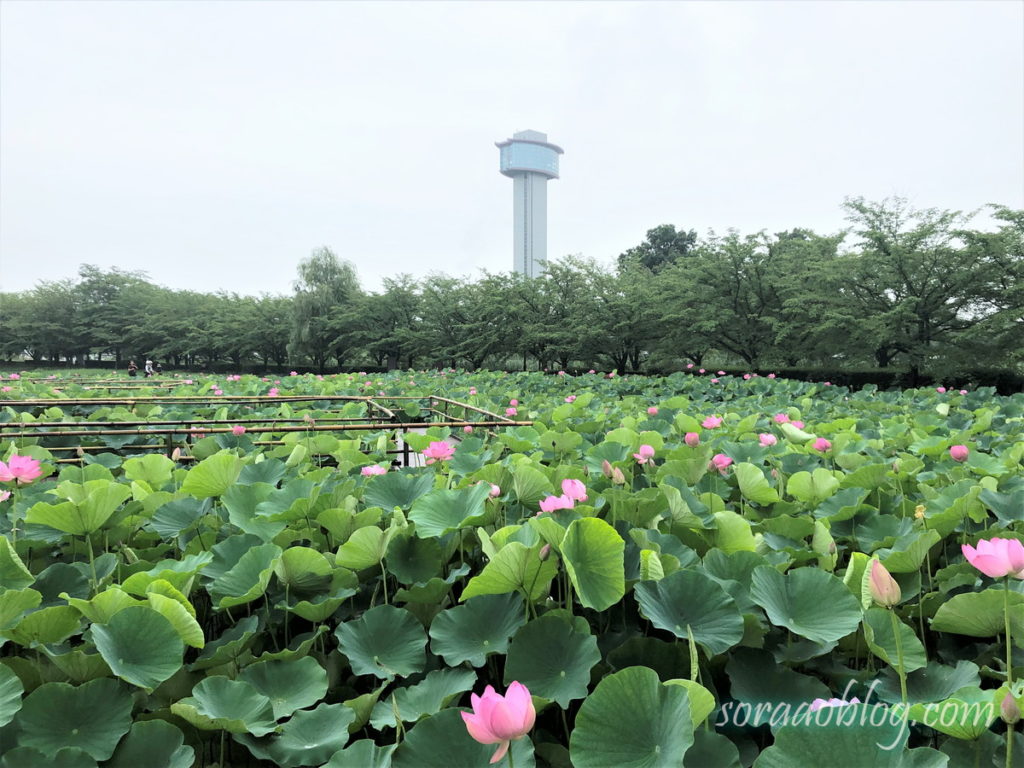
[(176, 516), (908, 553), (845, 737), (967, 714), (427, 697), (103, 606), (763, 689), (79, 666), (934, 682), (299, 647), (441, 512), (593, 553), (980, 614), (229, 647), (140, 645), (178, 573), (514, 567), (45, 626), (154, 744), (14, 603), (153, 469), (308, 738), (59, 579), (218, 703), (691, 601), (807, 601), (361, 754), (470, 632), (13, 573), (290, 685), (710, 748), (10, 695), (552, 658), (414, 560), (385, 642), (29, 757), (247, 579), (733, 532), (442, 741), (365, 548), (812, 488), (92, 717), (881, 640), (669, 660), (632, 720), (290, 502), (702, 701), (343, 585), (754, 485), (269, 471), (530, 485), (213, 475), (86, 516), (183, 622), (303, 569), (397, 489), (242, 501)]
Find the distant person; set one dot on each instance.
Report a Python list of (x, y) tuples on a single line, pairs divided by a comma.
[(149, 368), (133, 369), (159, 369)]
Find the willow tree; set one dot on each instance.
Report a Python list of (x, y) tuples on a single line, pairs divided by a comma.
[(326, 286)]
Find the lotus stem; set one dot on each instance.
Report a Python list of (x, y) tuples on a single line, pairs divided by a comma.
[(92, 564), (1009, 745), (1006, 626), (896, 623), (511, 763)]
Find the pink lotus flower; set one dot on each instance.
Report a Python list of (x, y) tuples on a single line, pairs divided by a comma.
[(746, 377), (294, 373), (821, 444), (238, 429), (591, 371), (828, 383), (498, 719), (997, 557), (554, 503), (941, 390), (570, 398), (711, 422), (644, 454), (511, 411), (959, 453), (689, 366), (6, 389), (884, 589), (574, 489), (495, 490), (781, 418), (5, 495), (652, 411), (373, 469), (561, 373), (963, 391), (472, 390), (14, 377), (513, 402), (467, 429), (714, 381), (701, 371), (767, 439), (721, 373), (272, 392), (720, 461), (218, 391), (797, 423), (692, 439), (24, 469), (187, 381), (771, 375), (438, 450), (819, 703)]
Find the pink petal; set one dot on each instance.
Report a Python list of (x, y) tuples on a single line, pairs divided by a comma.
[(504, 722), (500, 753), (477, 729)]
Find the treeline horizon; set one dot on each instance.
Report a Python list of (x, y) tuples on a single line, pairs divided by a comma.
[(920, 290)]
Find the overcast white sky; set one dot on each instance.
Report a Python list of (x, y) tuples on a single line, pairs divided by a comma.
[(215, 144)]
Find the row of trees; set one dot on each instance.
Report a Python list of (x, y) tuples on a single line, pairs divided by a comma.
[(918, 289)]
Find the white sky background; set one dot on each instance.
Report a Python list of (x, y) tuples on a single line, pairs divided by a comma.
[(215, 144)]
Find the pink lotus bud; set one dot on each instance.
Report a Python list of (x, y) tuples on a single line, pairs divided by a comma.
[(721, 373), (570, 398), (511, 411), (467, 429), (689, 366), (617, 477), (720, 461), (498, 719), (746, 377), (884, 589), (544, 553), (238, 429), (1009, 710), (701, 371), (821, 444), (652, 411), (963, 391), (372, 469), (767, 439), (692, 439), (771, 375), (218, 392), (959, 453), (176, 454), (997, 557), (828, 383), (513, 402), (495, 490), (714, 381), (591, 371), (941, 390), (606, 468)]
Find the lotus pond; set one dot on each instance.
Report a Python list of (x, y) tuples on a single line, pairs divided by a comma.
[(682, 571)]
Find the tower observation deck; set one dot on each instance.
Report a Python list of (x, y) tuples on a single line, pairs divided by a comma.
[(530, 160)]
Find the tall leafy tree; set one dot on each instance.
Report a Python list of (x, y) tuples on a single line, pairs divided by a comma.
[(326, 285), (663, 247)]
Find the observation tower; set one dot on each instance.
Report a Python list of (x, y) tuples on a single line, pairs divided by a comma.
[(530, 160)]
